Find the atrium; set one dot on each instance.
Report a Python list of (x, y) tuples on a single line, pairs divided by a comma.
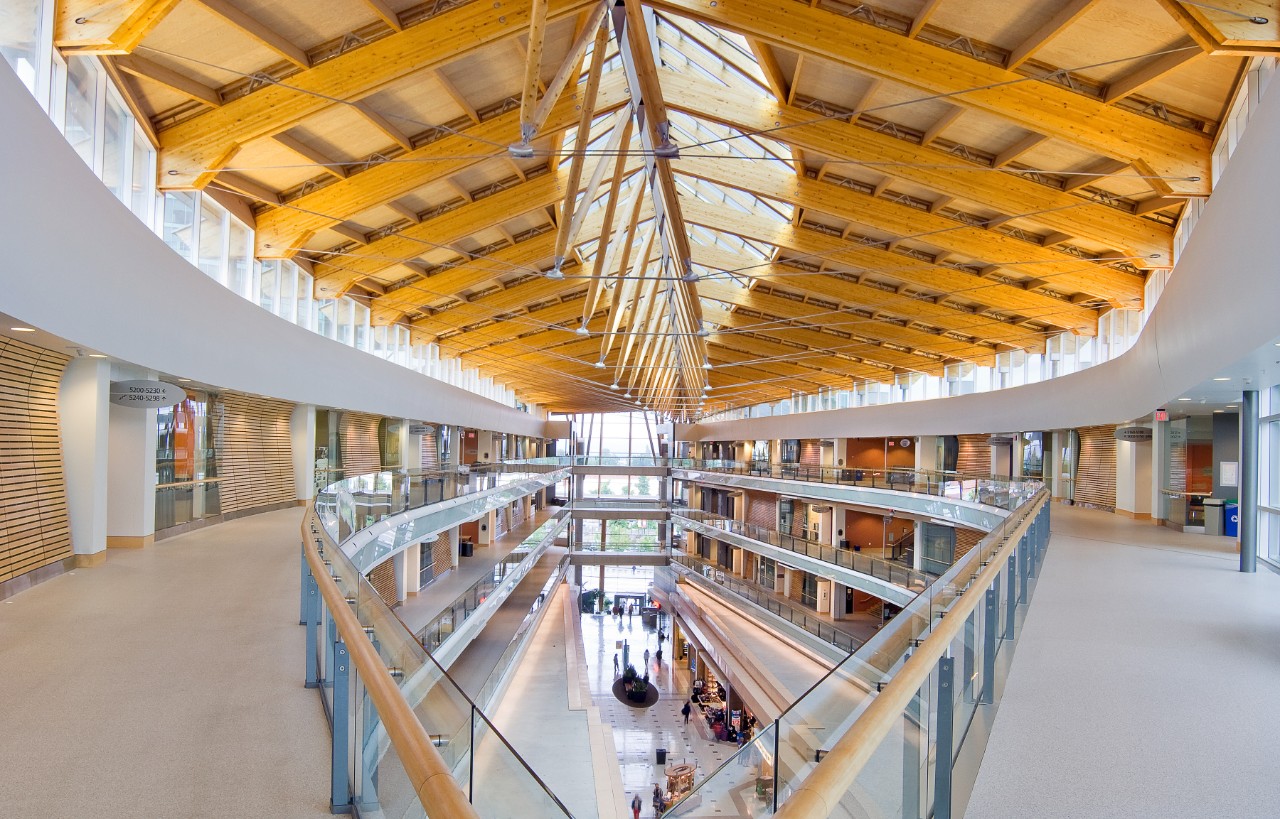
[(380, 378)]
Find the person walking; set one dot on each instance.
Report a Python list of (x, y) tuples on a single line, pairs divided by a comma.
[(686, 710), (636, 804), (646, 658), (658, 657), (615, 665)]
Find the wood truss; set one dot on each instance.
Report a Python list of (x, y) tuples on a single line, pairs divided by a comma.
[(691, 205)]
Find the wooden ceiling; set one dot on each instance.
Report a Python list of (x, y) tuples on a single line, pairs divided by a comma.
[(692, 204)]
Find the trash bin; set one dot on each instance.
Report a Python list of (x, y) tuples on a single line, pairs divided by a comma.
[(1231, 519), (466, 548), (1213, 516), (662, 756)]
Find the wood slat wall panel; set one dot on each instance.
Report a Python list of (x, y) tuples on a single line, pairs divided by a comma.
[(255, 452), (383, 580), (34, 529), (966, 539), (430, 452), (762, 508), (1096, 473), (360, 451), (442, 554), (974, 455), (810, 453)]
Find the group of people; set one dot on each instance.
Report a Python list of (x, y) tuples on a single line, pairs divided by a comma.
[(659, 802)]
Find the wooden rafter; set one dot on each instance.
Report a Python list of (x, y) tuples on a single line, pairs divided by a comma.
[(106, 26), (1140, 238), (1063, 17), (1158, 148), (258, 30), (190, 147)]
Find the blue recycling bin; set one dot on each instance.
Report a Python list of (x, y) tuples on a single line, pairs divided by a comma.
[(1231, 519)]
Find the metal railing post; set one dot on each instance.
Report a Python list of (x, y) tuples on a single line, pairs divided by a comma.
[(945, 739), (1010, 596), (991, 613), (311, 609), (339, 782)]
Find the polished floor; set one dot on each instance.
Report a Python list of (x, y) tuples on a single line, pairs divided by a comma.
[(1146, 682), (166, 682)]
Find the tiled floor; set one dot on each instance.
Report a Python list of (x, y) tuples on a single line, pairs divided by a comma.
[(638, 733)]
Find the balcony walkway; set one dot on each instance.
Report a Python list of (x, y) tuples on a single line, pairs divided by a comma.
[(166, 682), (1144, 684)]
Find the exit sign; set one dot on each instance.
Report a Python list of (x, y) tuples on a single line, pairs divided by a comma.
[(1162, 415)]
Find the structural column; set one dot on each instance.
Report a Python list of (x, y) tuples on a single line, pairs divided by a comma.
[(131, 468), (302, 438), (83, 407), (1249, 481)]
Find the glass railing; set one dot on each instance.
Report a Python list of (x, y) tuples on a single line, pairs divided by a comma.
[(505, 575), (359, 502), (368, 769), (716, 579), (889, 571), (488, 693), (916, 695), (1002, 493), (634, 546)]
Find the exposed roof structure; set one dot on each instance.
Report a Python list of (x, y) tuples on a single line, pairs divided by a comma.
[(604, 204)]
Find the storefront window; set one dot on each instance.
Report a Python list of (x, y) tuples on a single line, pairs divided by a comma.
[(186, 462)]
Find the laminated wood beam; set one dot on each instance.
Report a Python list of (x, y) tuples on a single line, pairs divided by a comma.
[(930, 167), (1158, 148), (188, 148)]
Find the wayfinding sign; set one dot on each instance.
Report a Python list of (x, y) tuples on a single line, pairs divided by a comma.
[(146, 394)]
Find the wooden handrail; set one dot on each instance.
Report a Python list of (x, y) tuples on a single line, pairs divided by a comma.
[(426, 769), (839, 768)]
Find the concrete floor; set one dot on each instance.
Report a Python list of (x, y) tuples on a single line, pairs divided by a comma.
[(1146, 682), (166, 682)]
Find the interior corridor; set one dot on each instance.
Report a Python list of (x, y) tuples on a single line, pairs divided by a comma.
[(1119, 702), (166, 682)]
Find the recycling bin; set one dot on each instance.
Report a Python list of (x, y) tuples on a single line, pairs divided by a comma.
[(1231, 519)]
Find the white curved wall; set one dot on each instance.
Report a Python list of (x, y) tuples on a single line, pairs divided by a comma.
[(1222, 303), (78, 264)]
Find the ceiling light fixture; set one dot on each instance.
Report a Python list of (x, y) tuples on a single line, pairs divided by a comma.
[(96, 355), (23, 329), (1184, 399), (520, 150), (1222, 379)]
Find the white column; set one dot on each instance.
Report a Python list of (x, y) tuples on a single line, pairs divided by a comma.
[(412, 566), (927, 452), (131, 471), (782, 581), (917, 550), (83, 411), (453, 548), (455, 446), (302, 438), (398, 568), (1133, 479), (410, 447), (1159, 448)]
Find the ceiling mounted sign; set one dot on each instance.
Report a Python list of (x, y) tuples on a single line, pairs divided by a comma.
[(1000, 440), (146, 394), (1135, 434)]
